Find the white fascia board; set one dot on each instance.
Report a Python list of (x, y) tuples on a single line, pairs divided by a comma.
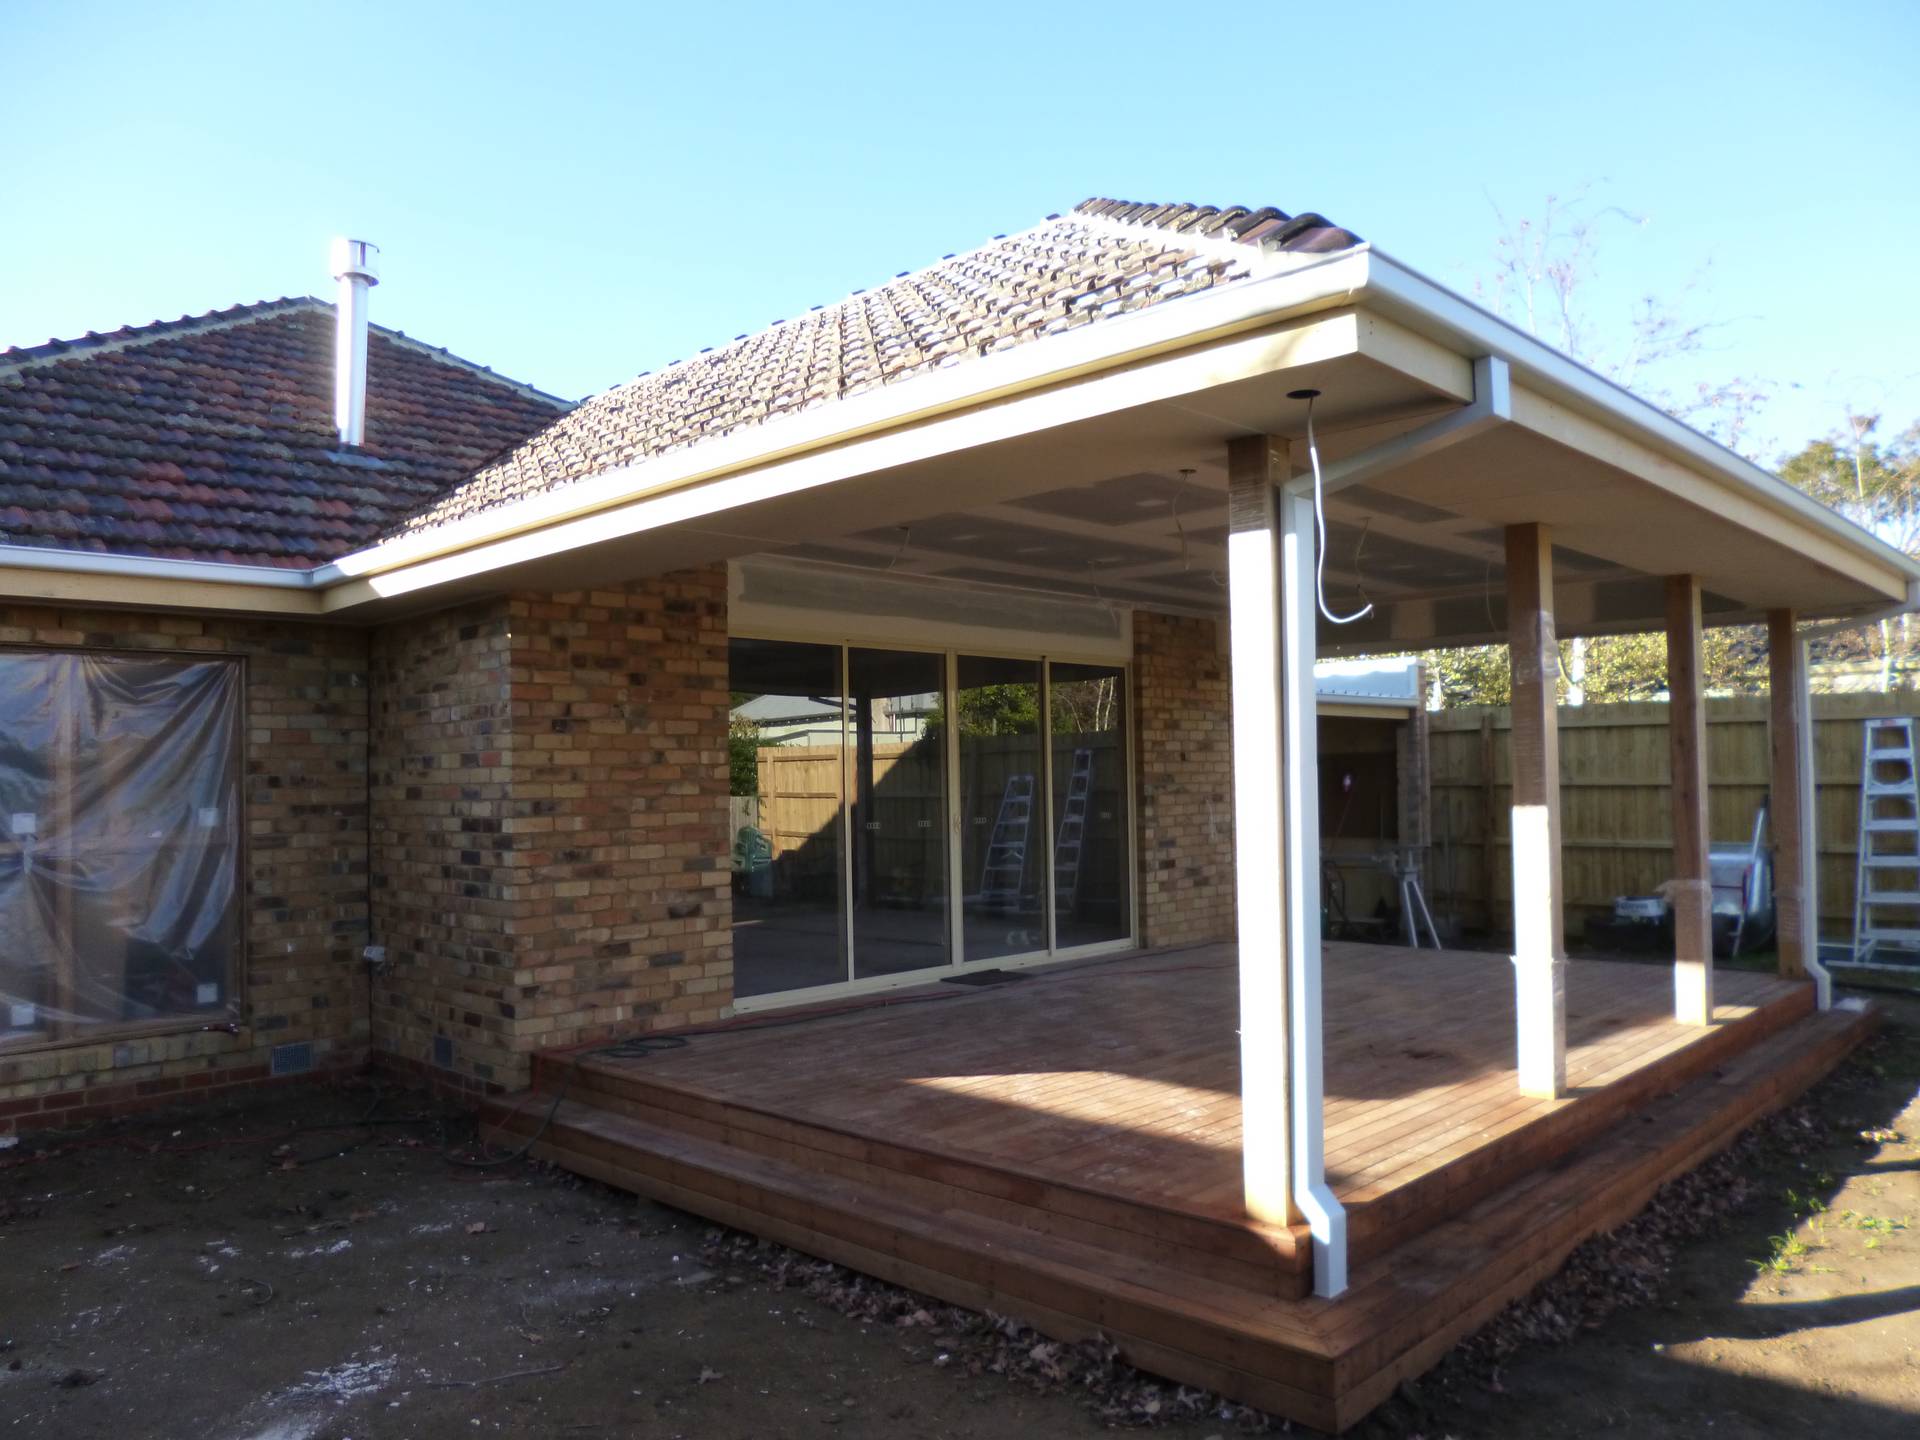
[(28, 572), (1404, 294), (1097, 346)]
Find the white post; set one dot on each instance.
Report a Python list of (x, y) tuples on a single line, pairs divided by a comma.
[(1796, 901), (1809, 829), (1687, 756), (1300, 789), (1253, 616), (1539, 946)]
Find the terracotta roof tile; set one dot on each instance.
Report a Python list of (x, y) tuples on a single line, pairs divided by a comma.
[(1106, 258), (211, 438)]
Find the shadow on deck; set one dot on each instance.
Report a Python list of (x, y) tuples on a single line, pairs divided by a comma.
[(1066, 1147)]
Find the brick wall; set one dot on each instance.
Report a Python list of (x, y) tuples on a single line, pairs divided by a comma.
[(1183, 725), (442, 891), (619, 807), (551, 823), (305, 888)]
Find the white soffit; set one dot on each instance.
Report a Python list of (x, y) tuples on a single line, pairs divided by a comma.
[(787, 599)]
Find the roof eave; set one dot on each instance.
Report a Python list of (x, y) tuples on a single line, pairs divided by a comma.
[(38, 573), (1403, 293), (1362, 276), (1298, 289)]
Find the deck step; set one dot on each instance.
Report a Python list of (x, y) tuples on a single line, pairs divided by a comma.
[(1275, 1259), (1383, 1217), (1325, 1363), (1181, 1323), (1407, 1309)]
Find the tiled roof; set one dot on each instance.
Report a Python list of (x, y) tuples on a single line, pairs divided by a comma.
[(212, 438), (1106, 258)]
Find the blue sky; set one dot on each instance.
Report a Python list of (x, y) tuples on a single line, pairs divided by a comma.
[(574, 193)]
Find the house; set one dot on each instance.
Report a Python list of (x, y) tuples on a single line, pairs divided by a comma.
[(1058, 1031)]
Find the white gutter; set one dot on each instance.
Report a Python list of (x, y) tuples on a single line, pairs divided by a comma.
[(1909, 606), (142, 567)]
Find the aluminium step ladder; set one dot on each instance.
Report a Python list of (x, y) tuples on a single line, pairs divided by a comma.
[(1073, 833), (1003, 872), (1886, 909)]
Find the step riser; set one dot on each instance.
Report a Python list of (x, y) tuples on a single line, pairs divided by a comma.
[(1415, 1345), (1233, 1254), (1391, 1220), (1430, 1293), (1225, 1251), (963, 1278), (1329, 1383)]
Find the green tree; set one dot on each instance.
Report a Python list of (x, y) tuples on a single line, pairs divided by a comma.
[(1874, 482), (999, 710), (744, 744)]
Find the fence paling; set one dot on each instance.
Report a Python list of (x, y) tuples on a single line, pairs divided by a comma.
[(1615, 822)]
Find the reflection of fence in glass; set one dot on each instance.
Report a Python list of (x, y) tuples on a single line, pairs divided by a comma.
[(799, 804)]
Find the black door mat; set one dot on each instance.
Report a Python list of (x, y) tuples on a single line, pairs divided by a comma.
[(982, 977)]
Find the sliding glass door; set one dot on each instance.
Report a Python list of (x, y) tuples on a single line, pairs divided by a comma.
[(1003, 809), (1092, 896), (784, 743), (899, 801), (897, 813)]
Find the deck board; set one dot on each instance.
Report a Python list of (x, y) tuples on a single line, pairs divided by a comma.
[(1124, 1075), (1066, 1148)]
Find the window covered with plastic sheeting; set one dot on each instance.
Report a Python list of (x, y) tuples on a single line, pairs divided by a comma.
[(119, 843)]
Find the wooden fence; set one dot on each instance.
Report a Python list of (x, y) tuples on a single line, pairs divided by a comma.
[(1616, 828)]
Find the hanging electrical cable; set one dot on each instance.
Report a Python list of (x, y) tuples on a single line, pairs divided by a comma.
[(1320, 522), (1186, 479)]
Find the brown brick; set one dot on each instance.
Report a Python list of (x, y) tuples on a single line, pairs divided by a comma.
[(1184, 733)]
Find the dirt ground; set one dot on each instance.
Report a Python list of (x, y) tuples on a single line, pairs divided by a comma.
[(206, 1273)]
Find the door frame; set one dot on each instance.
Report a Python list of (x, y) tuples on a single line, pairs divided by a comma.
[(851, 634)]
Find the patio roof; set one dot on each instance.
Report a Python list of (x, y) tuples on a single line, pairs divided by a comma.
[(1088, 460)]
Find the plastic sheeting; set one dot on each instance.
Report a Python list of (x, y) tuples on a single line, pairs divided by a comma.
[(119, 842)]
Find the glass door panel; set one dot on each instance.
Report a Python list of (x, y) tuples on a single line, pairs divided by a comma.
[(785, 745), (1091, 874), (899, 834), (1003, 832)]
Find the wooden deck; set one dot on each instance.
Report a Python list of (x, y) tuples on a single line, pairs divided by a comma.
[(1066, 1147)]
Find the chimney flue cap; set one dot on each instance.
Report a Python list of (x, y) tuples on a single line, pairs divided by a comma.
[(357, 258)]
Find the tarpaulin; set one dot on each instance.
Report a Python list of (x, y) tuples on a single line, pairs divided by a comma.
[(119, 841)]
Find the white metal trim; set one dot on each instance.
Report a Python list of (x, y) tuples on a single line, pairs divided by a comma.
[(956, 821), (1300, 804), (144, 567), (933, 975)]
